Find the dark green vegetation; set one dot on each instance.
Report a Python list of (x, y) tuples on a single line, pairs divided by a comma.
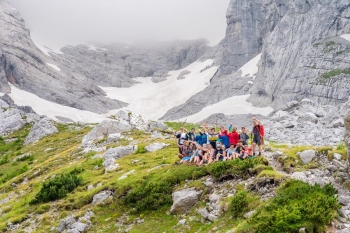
[(296, 205), (58, 187), (335, 72)]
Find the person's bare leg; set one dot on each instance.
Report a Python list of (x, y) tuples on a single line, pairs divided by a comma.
[(253, 148)]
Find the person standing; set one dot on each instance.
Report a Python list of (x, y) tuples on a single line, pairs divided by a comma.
[(258, 135), (244, 136)]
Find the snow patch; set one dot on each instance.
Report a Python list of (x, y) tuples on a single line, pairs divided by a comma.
[(346, 37), (53, 66), (94, 48), (45, 48), (1, 94), (153, 100), (250, 69), (230, 106), (250, 82), (52, 110)]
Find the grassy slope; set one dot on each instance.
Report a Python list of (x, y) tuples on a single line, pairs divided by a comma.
[(66, 155)]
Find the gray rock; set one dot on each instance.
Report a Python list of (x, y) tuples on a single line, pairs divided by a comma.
[(302, 230), (332, 168), (307, 155), (344, 200), (249, 214), (104, 129), (182, 222), (212, 217), (203, 212), (66, 223), (119, 152), (347, 134), (156, 134), (338, 163), (183, 200), (41, 129), (155, 146), (213, 198), (81, 227), (337, 156), (113, 137), (101, 197), (11, 119), (277, 154)]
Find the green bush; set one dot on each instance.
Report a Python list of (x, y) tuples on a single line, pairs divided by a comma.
[(341, 146), (235, 167), (335, 72), (296, 205), (57, 188), (156, 190), (141, 149), (239, 204)]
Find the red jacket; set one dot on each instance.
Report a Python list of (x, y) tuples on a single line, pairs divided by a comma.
[(234, 138), (261, 130)]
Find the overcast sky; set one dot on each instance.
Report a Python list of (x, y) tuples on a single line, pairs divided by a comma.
[(60, 22)]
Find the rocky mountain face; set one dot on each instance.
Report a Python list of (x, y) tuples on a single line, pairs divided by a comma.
[(116, 64), (24, 66), (81, 70), (302, 54)]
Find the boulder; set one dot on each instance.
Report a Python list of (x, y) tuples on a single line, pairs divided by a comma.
[(135, 120), (156, 134), (337, 156), (113, 137), (337, 123), (308, 117), (155, 147), (307, 155), (41, 129), (277, 154), (119, 152), (102, 196), (11, 119), (157, 125), (104, 129), (213, 198), (203, 212), (184, 199), (247, 215)]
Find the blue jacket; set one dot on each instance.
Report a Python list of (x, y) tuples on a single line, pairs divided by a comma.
[(198, 139), (225, 140)]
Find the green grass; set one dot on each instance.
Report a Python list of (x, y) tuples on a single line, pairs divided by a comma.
[(335, 72), (177, 125)]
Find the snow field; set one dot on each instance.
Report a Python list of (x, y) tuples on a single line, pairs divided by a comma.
[(153, 100)]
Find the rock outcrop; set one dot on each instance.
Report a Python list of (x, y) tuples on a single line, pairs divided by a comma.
[(302, 55), (347, 133), (41, 129)]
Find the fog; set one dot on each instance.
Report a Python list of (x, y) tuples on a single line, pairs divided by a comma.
[(56, 23)]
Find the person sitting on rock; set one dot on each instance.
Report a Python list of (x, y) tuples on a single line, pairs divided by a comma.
[(183, 149), (244, 136), (239, 150), (203, 157), (231, 152), (188, 153), (258, 135), (220, 153)]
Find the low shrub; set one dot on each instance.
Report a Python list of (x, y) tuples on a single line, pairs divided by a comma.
[(141, 149), (57, 188), (296, 205)]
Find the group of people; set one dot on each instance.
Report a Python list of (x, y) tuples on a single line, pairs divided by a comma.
[(209, 145)]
